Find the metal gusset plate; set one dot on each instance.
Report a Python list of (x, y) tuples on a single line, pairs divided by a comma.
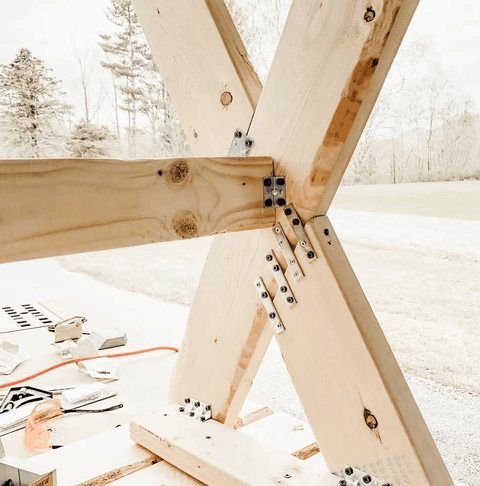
[(277, 273), (267, 302), (196, 409), (300, 233), (354, 476), (241, 144), (287, 252), (274, 192)]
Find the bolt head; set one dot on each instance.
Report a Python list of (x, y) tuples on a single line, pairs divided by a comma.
[(202, 418), (267, 182), (283, 289), (326, 232), (287, 476), (264, 295), (303, 244), (238, 134), (276, 268), (248, 143), (192, 414), (287, 211), (296, 222), (197, 404), (280, 181), (290, 300), (272, 315), (366, 479), (281, 201), (342, 482), (181, 409), (268, 203), (310, 255), (187, 400), (208, 408), (269, 258), (386, 484), (348, 471)]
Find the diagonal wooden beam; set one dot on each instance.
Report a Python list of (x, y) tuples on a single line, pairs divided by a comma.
[(55, 207), (205, 68)]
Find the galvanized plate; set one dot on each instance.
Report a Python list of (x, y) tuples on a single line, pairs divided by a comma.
[(287, 252), (274, 192), (196, 409), (300, 233), (241, 144), (354, 476), (279, 277), (267, 302)]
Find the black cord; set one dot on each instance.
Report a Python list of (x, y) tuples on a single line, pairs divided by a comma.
[(115, 407)]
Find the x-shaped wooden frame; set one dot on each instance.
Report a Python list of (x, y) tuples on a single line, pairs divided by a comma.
[(330, 64)]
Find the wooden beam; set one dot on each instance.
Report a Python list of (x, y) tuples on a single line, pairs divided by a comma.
[(353, 392), (56, 207), (322, 49), (336, 61), (205, 68), (218, 455)]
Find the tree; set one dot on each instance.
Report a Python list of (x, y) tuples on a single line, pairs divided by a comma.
[(31, 109), (91, 141), (127, 46)]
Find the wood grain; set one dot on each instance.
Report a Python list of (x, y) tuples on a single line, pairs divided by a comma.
[(218, 455), (353, 392), (56, 207), (200, 56), (309, 121)]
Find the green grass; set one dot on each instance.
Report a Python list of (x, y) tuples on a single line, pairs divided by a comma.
[(457, 200)]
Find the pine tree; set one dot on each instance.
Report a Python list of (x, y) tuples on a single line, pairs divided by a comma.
[(92, 141), (127, 47), (31, 108)]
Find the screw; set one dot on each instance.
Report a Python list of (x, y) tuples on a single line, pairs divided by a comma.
[(181, 409), (342, 482), (369, 14), (272, 315), (187, 400), (268, 203), (292, 262), (248, 143), (310, 255), (283, 289), (296, 222), (386, 484), (238, 134), (348, 471), (197, 404), (276, 268), (287, 476), (269, 258), (295, 274), (326, 232), (264, 295), (281, 201), (267, 182), (280, 181), (202, 418), (159, 172), (258, 284), (366, 479), (290, 300), (208, 408), (277, 229), (192, 414), (287, 211)]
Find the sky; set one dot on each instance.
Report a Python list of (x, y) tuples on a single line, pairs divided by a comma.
[(51, 29)]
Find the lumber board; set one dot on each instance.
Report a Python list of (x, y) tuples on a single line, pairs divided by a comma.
[(310, 120), (216, 454), (351, 388), (99, 459), (61, 206), (205, 68), (322, 50)]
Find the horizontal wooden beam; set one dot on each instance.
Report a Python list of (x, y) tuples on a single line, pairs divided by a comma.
[(217, 455), (61, 206)]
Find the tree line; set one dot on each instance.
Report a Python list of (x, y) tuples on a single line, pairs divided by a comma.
[(421, 128)]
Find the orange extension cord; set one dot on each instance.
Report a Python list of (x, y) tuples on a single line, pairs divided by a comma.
[(77, 360)]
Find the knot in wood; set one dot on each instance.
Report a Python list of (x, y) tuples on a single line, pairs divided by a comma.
[(370, 419), (226, 98), (369, 14)]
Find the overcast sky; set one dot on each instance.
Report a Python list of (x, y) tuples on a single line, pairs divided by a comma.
[(50, 28)]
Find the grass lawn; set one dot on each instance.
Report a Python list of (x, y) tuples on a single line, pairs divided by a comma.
[(458, 200)]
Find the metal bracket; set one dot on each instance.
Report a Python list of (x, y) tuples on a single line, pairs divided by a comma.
[(241, 144), (287, 252), (267, 302), (356, 477), (280, 279), (300, 233), (197, 409), (274, 192)]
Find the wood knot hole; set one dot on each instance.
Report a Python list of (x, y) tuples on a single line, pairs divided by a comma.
[(178, 171), (369, 14), (370, 419), (226, 98)]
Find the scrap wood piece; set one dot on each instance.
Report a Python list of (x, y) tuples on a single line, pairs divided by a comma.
[(62, 206)]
